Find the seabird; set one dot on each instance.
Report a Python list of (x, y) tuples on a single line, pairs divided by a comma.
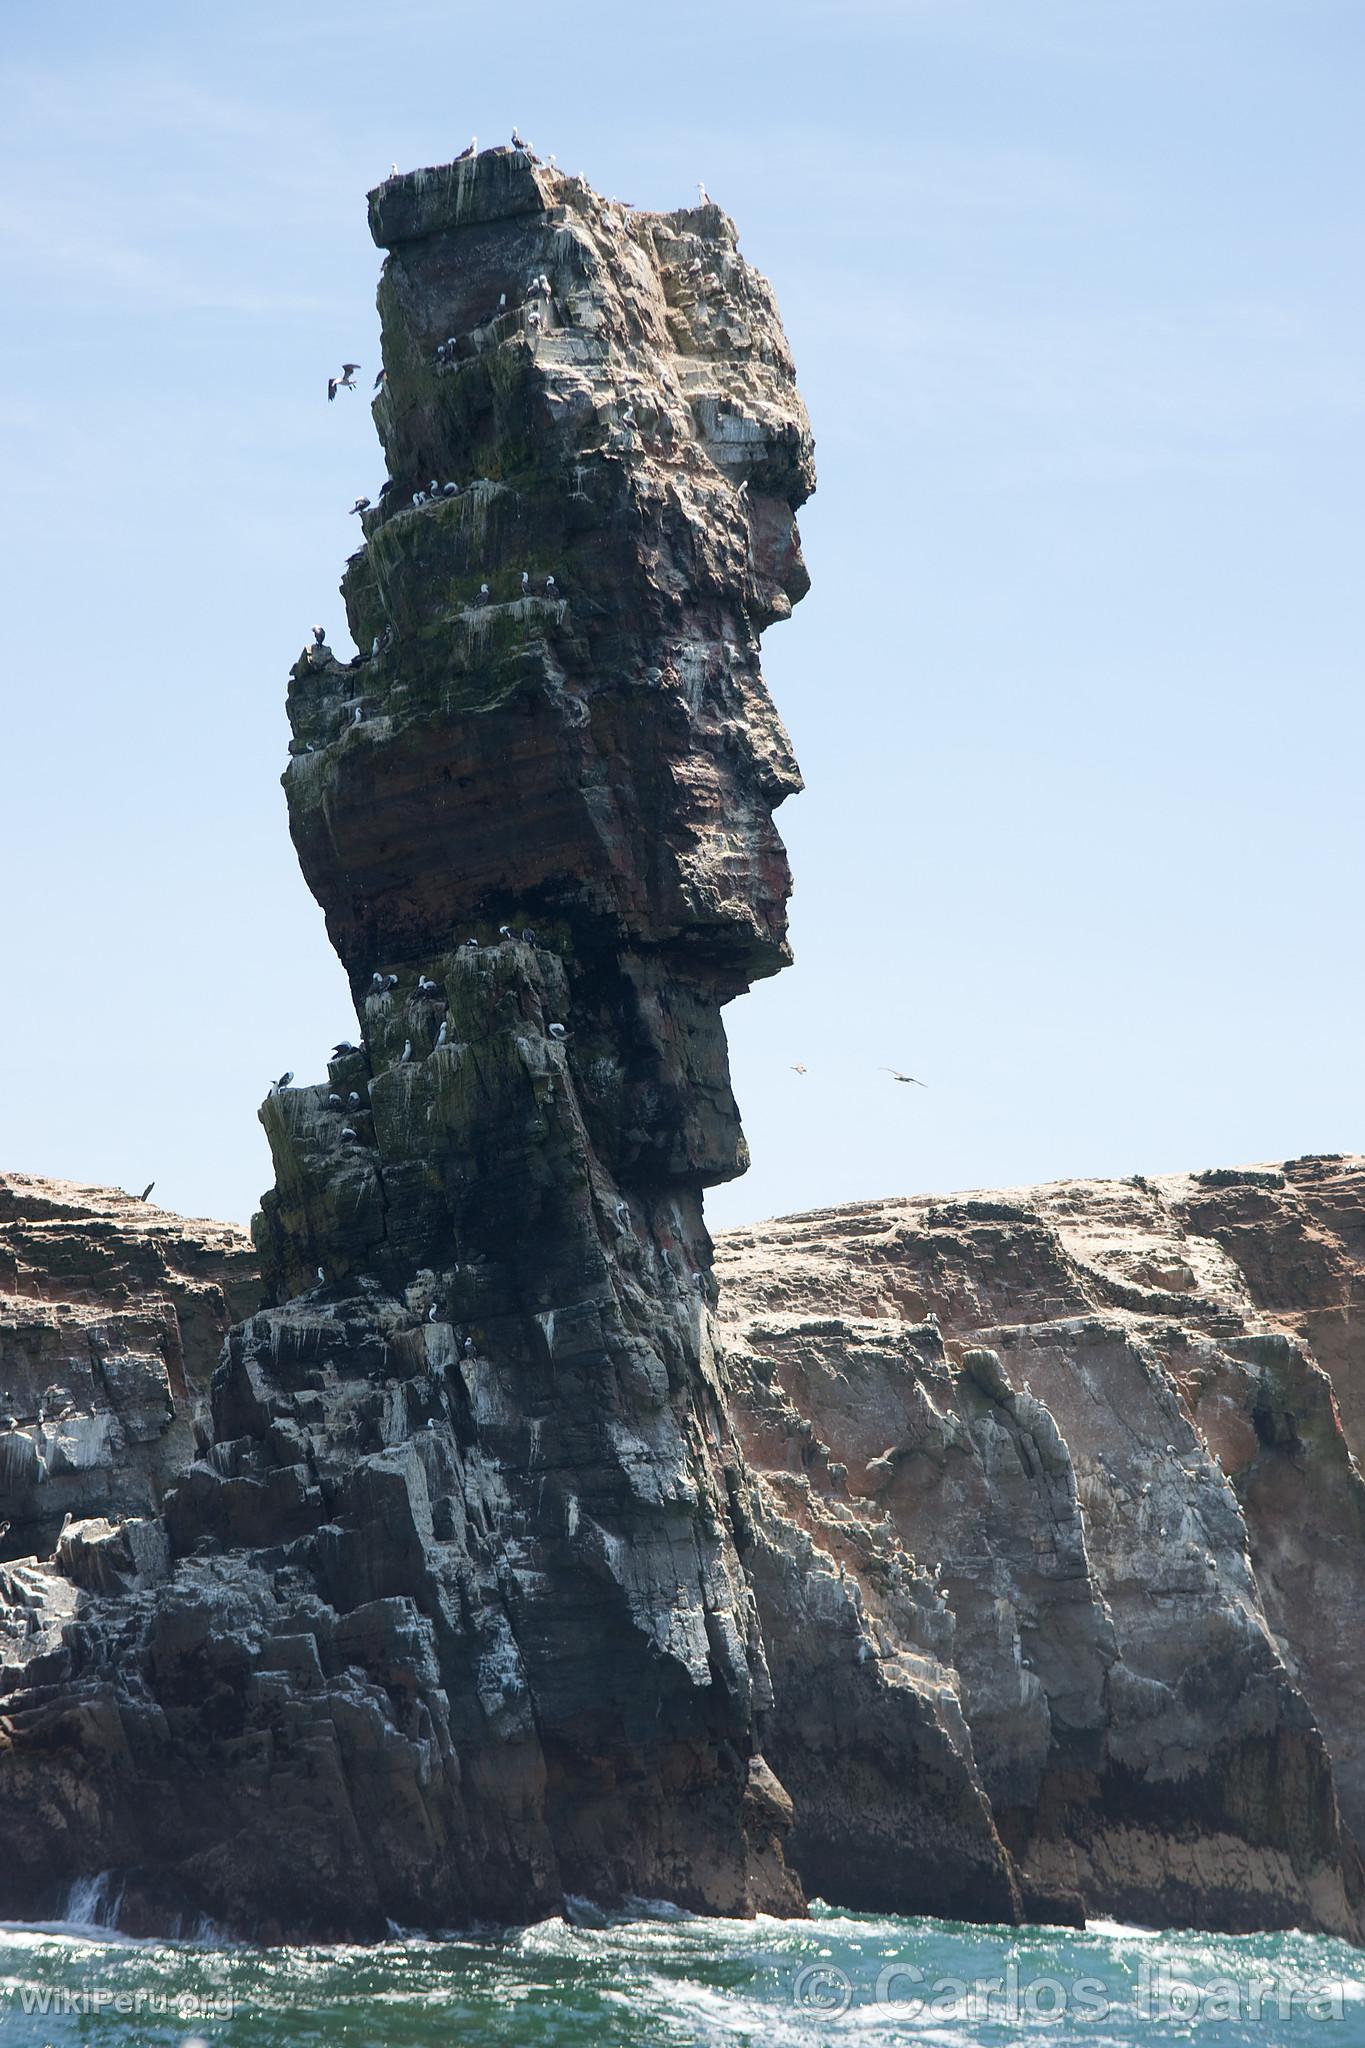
[(385, 488), (797, 1068), (360, 505), (559, 1031), (469, 1347), (390, 981), (393, 170), (353, 1100), (359, 714), (285, 1078), (374, 648), (483, 593), (504, 931), (528, 937), (334, 1101), (381, 380), (322, 1276), (551, 587), (472, 945), (406, 1053), (343, 1046), (449, 490), (519, 142), (345, 382), (502, 302), (525, 581), (703, 198), (433, 489), (904, 1077), (146, 1191), (533, 319), (469, 150), (419, 497), (319, 637), (431, 1313), (348, 1136), (694, 267), (425, 987), (378, 980), (628, 413), (441, 1034)]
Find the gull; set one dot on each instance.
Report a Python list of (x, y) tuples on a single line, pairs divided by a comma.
[(406, 1053), (426, 987), (504, 931), (393, 170), (419, 497), (433, 489), (353, 1100), (146, 1191), (551, 588), (903, 1077), (319, 637), (343, 1046), (374, 648), (322, 1276), (359, 714), (483, 593), (528, 937), (441, 1034), (334, 1101), (449, 490), (472, 945), (285, 1078), (525, 581), (348, 1136), (502, 302), (559, 1031), (694, 267), (360, 505), (798, 1068), (468, 150), (431, 1313), (702, 196), (380, 380), (345, 382), (628, 414), (520, 142)]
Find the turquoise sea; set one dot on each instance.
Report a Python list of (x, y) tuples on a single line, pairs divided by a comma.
[(663, 1978)]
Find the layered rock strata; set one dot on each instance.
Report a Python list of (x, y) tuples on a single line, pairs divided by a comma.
[(1080, 1460), (453, 1622)]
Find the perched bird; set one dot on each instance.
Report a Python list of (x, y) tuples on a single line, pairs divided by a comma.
[(431, 1313), (342, 1047), (904, 1077), (551, 588), (798, 1068), (419, 497), (703, 197), (378, 980), (322, 1276), (348, 1136), (387, 484), (374, 648), (472, 945), (504, 931), (469, 149), (528, 937), (380, 380), (533, 320), (359, 714), (406, 1053), (334, 1101), (628, 414), (146, 1191), (285, 1078), (319, 636), (390, 981), (525, 581), (433, 489), (360, 505), (441, 1034), (353, 1100), (694, 267), (502, 302), (559, 1031), (449, 490), (519, 142), (426, 987), (469, 1347), (345, 382), (483, 593), (393, 170)]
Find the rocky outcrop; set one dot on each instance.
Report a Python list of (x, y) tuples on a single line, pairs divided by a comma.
[(449, 1619), (112, 1315), (1082, 1458)]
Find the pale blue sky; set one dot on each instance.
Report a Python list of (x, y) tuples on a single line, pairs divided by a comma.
[(1074, 288)]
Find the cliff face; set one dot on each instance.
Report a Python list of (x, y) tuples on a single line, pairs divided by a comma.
[(1080, 1461), (112, 1314), (454, 1622)]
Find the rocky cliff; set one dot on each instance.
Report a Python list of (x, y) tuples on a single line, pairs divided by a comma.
[(1059, 1506), (453, 1621), (993, 1557)]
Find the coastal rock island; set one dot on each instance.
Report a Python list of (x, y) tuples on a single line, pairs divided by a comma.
[(478, 1541)]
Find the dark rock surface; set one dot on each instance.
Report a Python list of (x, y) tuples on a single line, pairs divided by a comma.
[(449, 1620)]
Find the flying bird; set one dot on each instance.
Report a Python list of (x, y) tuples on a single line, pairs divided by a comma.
[(904, 1077), (797, 1068), (345, 382)]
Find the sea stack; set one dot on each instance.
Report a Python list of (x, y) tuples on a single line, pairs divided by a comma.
[(455, 1625)]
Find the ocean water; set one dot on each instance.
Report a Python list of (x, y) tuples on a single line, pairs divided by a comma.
[(670, 1981)]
